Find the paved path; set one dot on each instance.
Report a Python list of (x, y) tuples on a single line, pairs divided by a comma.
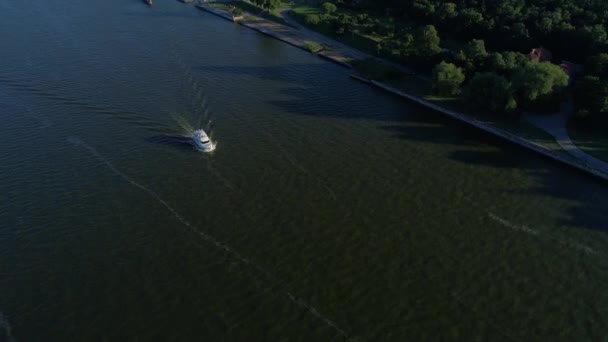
[(556, 125)]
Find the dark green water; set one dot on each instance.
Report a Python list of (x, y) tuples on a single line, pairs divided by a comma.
[(329, 211)]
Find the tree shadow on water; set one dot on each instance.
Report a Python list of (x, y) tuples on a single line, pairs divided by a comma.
[(320, 96), (585, 195), (427, 129), (292, 73)]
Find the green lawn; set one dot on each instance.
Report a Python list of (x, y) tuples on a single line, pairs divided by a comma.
[(591, 141), (313, 47), (304, 10), (219, 5), (422, 88)]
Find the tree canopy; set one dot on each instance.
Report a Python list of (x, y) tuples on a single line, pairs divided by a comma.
[(490, 92), (267, 4), (573, 29), (536, 80), (426, 41), (486, 44), (328, 8), (447, 79)]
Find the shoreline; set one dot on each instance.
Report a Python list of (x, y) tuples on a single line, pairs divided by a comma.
[(262, 25)]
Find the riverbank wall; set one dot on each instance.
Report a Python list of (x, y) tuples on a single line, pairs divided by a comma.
[(505, 135), (341, 59)]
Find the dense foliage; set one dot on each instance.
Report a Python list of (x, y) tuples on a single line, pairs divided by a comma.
[(572, 29), (490, 91), (488, 41), (591, 92), (538, 81), (267, 4)]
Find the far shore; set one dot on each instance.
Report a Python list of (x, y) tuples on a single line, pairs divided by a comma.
[(343, 57)]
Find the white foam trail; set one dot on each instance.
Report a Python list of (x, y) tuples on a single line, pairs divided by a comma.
[(5, 328), (513, 226), (576, 245), (223, 179), (183, 124), (208, 238), (572, 244)]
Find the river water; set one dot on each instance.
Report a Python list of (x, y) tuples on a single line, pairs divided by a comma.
[(329, 211)]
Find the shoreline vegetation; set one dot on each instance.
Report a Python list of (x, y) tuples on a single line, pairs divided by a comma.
[(422, 90)]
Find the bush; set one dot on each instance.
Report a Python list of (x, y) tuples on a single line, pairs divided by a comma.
[(313, 47), (328, 8), (312, 19), (237, 12)]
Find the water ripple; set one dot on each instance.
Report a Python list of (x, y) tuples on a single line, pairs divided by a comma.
[(206, 237)]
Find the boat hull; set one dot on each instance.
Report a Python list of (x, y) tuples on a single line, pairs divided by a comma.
[(197, 140)]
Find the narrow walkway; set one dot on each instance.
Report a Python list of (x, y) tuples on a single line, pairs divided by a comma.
[(556, 125)]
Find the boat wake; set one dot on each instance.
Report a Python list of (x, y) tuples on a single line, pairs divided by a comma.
[(212, 240), (566, 243), (200, 138), (512, 226), (202, 142)]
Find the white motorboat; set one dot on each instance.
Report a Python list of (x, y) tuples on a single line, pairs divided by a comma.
[(202, 141)]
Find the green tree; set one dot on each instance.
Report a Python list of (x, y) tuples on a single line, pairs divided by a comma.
[(267, 4), (272, 4), (447, 10), (591, 97), (312, 19), (490, 92), (519, 31), (447, 79), (476, 49), (427, 41), (514, 60), (537, 81), (328, 8), (495, 62), (470, 18), (598, 66), (237, 12), (424, 8)]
